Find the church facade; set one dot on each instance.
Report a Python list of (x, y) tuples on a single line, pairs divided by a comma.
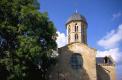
[(78, 61)]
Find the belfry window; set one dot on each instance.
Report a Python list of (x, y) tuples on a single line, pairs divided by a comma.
[(76, 27), (76, 36), (76, 61)]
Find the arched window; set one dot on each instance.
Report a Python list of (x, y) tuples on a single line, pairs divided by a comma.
[(76, 27), (76, 61), (76, 37)]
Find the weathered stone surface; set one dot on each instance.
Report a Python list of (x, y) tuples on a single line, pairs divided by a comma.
[(106, 72), (63, 69), (91, 68)]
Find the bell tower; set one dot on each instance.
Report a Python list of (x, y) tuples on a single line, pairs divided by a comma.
[(76, 29)]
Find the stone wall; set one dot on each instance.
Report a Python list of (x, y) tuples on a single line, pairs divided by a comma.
[(63, 69), (106, 72)]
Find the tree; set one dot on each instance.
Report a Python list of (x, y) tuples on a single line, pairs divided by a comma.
[(26, 40)]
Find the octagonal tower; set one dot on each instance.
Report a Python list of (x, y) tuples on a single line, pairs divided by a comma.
[(76, 29)]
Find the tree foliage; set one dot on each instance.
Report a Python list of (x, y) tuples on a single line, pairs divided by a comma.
[(26, 41)]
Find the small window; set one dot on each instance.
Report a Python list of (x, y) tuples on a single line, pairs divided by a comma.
[(76, 27), (106, 59), (76, 61)]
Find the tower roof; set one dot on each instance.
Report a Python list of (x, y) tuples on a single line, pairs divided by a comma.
[(76, 17)]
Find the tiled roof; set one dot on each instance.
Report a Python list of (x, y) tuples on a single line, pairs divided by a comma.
[(76, 16)]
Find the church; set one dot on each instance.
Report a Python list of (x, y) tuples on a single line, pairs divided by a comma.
[(78, 61)]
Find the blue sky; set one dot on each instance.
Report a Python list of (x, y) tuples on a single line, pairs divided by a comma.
[(104, 19)]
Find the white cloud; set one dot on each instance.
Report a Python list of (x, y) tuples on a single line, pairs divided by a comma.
[(114, 53), (61, 39), (110, 43), (116, 15), (112, 39)]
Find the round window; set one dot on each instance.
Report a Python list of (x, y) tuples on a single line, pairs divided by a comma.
[(76, 61)]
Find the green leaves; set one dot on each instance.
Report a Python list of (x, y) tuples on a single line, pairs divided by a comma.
[(28, 40), (29, 45)]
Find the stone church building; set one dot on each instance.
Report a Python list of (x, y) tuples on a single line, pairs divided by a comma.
[(78, 61)]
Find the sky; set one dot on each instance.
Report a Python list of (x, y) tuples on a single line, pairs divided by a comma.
[(104, 18)]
